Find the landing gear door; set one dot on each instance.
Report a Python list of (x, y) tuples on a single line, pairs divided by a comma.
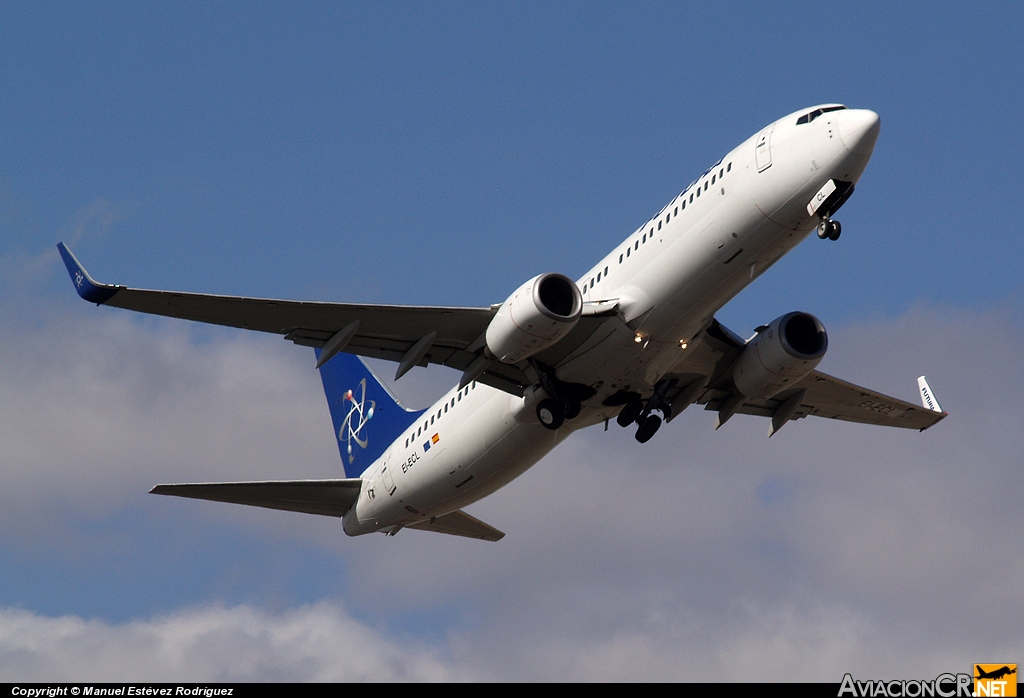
[(763, 149)]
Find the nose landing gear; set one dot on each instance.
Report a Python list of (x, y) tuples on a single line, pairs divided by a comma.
[(829, 229), (824, 205)]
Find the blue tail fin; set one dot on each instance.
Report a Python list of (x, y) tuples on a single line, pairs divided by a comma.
[(367, 418)]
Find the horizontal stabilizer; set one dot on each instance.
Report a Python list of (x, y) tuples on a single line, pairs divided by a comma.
[(324, 497), (459, 523)]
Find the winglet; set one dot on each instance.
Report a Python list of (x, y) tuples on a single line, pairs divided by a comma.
[(85, 285), (927, 396)]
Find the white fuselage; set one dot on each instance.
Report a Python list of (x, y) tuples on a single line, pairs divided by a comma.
[(669, 278)]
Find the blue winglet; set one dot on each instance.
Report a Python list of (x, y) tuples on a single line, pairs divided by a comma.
[(84, 284)]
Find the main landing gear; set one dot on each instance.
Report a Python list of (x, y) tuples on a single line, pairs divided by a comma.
[(552, 412), (636, 411), (830, 229), (565, 401)]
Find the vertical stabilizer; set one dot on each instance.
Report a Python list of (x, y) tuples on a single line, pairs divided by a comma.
[(367, 418)]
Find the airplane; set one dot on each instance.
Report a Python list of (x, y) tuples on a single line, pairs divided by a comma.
[(995, 674), (634, 340)]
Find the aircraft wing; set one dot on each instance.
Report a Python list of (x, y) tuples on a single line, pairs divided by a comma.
[(422, 334), (324, 497), (832, 398), (817, 394)]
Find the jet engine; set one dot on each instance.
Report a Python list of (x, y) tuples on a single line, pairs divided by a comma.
[(781, 354), (535, 316)]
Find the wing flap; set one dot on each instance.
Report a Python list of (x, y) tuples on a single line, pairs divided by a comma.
[(323, 497), (459, 523)]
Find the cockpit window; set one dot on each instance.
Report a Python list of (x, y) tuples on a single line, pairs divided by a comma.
[(812, 115)]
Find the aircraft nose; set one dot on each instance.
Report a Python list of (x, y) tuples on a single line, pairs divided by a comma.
[(859, 130)]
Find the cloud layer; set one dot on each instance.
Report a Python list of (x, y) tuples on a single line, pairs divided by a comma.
[(312, 643), (701, 555)]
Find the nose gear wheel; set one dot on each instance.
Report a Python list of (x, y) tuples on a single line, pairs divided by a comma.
[(829, 229)]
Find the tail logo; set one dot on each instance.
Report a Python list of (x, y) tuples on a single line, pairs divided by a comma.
[(358, 415)]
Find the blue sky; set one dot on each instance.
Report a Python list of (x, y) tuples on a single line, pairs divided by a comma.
[(442, 154)]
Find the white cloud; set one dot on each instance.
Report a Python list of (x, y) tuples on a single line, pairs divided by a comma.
[(312, 643), (100, 406)]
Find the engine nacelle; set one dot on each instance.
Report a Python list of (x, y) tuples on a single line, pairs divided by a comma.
[(780, 355), (538, 314)]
